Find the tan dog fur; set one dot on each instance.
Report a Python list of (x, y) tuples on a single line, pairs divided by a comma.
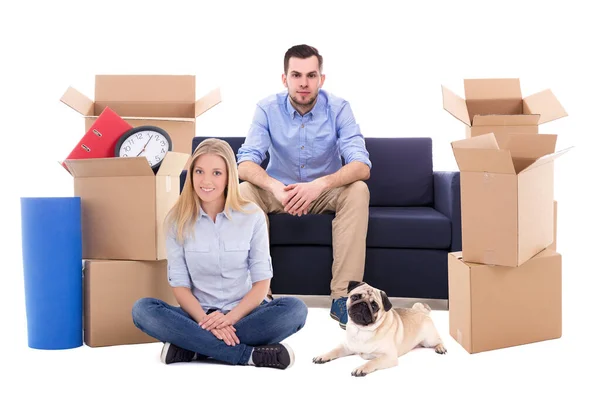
[(393, 333)]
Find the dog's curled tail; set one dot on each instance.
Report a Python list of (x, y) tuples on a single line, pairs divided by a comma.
[(422, 307)]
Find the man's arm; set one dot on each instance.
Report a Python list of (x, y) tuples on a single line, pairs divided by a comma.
[(349, 173), (255, 174), (252, 154)]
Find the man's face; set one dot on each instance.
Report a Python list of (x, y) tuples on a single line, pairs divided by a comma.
[(303, 81)]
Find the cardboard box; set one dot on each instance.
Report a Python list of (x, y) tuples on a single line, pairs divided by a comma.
[(496, 105), (493, 307), (124, 205), (111, 288), (507, 196), (166, 101)]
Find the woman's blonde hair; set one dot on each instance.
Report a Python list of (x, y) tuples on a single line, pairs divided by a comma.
[(184, 213)]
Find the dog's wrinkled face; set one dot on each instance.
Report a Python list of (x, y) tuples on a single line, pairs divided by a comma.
[(366, 305)]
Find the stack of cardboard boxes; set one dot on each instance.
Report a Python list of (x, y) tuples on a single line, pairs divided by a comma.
[(124, 203), (505, 286)]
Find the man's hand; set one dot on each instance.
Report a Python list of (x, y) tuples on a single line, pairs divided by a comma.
[(226, 334), (281, 195), (217, 320), (301, 195)]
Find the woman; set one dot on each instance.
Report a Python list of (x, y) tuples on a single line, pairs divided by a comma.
[(219, 267)]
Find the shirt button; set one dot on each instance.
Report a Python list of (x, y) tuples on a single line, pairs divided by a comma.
[(302, 166), (302, 126), (301, 147)]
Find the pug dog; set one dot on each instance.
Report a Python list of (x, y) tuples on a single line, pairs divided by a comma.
[(381, 334)]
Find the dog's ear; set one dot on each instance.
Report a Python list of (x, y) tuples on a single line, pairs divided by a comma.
[(387, 304), (353, 284)]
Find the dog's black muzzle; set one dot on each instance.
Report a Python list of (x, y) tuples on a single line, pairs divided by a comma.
[(361, 311)]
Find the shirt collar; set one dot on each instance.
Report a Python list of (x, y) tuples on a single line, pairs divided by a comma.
[(229, 209)]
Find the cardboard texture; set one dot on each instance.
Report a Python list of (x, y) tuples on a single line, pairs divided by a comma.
[(110, 290), (166, 101), (497, 105), (507, 196), (124, 205), (100, 139), (494, 307)]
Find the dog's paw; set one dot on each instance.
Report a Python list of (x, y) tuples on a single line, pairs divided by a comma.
[(360, 371), (320, 360), (440, 349)]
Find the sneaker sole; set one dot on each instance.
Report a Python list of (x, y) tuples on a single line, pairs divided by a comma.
[(291, 353), (163, 353), (335, 317)]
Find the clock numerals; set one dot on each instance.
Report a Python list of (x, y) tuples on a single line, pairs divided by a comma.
[(149, 142)]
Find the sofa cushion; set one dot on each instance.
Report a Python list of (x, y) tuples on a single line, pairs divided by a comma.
[(389, 227), (408, 228), (402, 172), (311, 229)]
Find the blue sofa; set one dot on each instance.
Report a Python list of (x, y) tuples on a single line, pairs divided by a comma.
[(414, 222)]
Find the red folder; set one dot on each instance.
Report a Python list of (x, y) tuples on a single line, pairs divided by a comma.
[(100, 140)]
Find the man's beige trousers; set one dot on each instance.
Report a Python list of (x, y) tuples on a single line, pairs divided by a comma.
[(349, 229)]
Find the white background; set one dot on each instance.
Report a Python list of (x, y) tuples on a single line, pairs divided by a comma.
[(390, 63)]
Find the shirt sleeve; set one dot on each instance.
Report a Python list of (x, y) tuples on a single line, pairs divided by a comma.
[(177, 271), (351, 141), (259, 257), (257, 141)]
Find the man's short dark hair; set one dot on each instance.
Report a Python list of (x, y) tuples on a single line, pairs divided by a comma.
[(301, 51)]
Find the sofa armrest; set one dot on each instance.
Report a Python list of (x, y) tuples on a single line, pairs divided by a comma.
[(446, 199)]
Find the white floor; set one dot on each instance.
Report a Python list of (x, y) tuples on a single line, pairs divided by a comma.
[(135, 372)]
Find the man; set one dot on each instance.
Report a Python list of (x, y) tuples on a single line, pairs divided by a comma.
[(306, 130)]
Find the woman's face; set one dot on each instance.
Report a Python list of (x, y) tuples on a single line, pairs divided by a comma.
[(210, 178)]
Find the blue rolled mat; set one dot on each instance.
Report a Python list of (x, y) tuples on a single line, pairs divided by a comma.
[(52, 259)]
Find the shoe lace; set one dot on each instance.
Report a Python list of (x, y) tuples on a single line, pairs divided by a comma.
[(267, 356)]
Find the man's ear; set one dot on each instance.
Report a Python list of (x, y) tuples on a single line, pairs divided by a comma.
[(387, 304), (353, 284), (322, 80), (284, 80)]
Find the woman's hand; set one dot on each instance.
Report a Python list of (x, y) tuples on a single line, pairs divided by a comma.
[(217, 320), (226, 334)]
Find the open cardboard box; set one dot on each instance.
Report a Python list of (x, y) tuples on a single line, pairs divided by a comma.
[(166, 101), (507, 196), (124, 205), (497, 105)]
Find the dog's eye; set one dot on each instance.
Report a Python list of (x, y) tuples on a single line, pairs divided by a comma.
[(374, 306)]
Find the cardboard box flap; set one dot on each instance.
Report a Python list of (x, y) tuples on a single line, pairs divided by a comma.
[(529, 145), (486, 141), (146, 89), (111, 166), (493, 89), (78, 101), (506, 120), (547, 158), (483, 160), (455, 105), (545, 104), (207, 102), (173, 164)]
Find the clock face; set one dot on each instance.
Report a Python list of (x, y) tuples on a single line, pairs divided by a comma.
[(150, 142)]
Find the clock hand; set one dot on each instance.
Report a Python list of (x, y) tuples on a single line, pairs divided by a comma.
[(144, 148)]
